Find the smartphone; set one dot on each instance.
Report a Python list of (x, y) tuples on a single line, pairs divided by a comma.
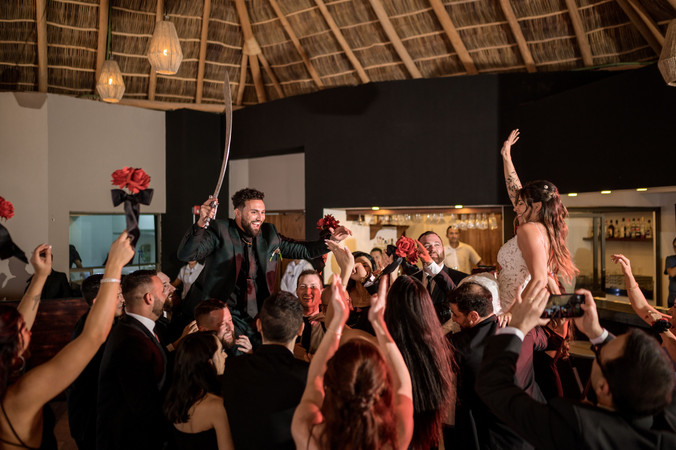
[(563, 306)]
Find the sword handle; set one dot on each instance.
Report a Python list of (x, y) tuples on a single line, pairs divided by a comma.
[(214, 205)]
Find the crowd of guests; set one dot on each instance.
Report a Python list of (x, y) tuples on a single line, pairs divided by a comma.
[(387, 355)]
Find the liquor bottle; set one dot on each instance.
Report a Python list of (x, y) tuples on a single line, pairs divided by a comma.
[(622, 229), (616, 232), (649, 230), (610, 233), (642, 227), (633, 228)]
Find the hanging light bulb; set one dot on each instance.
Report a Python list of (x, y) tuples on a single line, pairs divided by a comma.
[(110, 84), (164, 52), (667, 61)]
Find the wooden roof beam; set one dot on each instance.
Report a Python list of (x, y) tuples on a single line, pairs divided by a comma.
[(152, 82), (206, 12), (172, 106), (41, 24), (242, 79), (646, 26), (342, 42), (271, 74), (582, 41), (518, 35), (454, 36), (384, 20), (299, 48), (103, 38), (251, 48)]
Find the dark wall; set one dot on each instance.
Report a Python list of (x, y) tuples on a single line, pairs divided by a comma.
[(436, 141), (194, 155)]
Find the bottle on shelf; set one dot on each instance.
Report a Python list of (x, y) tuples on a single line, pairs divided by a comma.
[(642, 227), (610, 230), (633, 228), (622, 229), (616, 230), (649, 230)]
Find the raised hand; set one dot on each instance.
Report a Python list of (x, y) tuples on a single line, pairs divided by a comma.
[(339, 234), (624, 263), (378, 302), (208, 210), (121, 251), (526, 312), (506, 150), (423, 253), (339, 304), (41, 260)]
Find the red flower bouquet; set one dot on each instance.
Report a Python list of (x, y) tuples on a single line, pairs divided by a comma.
[(328, 221), (407, 248), (6, 209), (136, 180)]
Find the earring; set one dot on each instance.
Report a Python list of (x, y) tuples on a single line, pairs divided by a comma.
[(23, 365)]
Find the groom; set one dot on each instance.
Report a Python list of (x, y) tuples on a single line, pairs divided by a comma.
[(242, 258)]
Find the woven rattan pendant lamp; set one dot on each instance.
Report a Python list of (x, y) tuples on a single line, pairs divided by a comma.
[(110, 84), (667, 61), (164, 52)]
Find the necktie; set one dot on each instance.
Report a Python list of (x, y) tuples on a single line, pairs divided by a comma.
[(430, 284)]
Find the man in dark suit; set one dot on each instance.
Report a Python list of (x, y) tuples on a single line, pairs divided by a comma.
[(435, 276), (133, 372), (631, 377), (261, 391), (242, 258), (475, 426), (82, 394)]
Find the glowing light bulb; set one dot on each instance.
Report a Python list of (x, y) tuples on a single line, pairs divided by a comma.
[(164, 52), (110, 81)]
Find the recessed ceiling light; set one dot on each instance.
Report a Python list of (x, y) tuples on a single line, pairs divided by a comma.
[(641, 189), (375, 208), (458, 206), (606, 192), (572, 194)]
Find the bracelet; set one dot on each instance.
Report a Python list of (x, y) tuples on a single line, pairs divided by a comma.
[(338, 333), (110, 280)]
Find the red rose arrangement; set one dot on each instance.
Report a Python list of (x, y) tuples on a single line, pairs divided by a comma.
[(328, 221), (136, 180), (6, 209), (407, 248)]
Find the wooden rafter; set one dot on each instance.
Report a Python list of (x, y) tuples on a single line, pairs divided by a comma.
[(41, 24), (673, 4), (391, 33), (341, 41), (251, 49), (171, 106), (203, 50), (103, 38), (242, 79), (271, 74), (296, 43), (454, 36), (152, 82), (518, 35), (582, 41), (646, 26)]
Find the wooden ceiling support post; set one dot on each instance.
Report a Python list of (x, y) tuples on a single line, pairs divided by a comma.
[(152, 82), (582, 41), (342, 42), (271, 74), (242, 79), (41, 24), (454, 36), (204, 33), (296, 42), (646, 26), (251, 49), (103, 38), (384, 20), (518, 35)]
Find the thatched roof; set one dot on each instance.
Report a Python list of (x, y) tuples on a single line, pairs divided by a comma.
[(299, 46)]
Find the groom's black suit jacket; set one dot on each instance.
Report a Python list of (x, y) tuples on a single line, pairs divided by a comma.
[(221, 244)]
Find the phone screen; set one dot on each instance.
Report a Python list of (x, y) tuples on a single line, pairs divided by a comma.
[(562, 306)]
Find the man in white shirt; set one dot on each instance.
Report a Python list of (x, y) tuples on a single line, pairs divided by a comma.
[(460, 256), (293, 271)]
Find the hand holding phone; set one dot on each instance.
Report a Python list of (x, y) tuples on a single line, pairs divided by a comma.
[(563, 306)]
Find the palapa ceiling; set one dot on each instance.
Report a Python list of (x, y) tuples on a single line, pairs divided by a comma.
[(280, 48)]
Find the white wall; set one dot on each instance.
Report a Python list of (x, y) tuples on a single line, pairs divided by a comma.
[(280, 178), (59, 159)]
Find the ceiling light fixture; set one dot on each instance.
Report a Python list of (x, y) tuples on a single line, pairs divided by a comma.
[(606, 192), (164, 52), (458, 206), (572, 194), (667, 61), (641, 189), (110, 84)]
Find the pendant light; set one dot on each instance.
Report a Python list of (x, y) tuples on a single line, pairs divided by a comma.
[(164, 52), (667, 61), (110, 84)]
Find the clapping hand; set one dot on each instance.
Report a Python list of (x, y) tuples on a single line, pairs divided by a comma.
[(339, 304), (339, 234), (378, 302), (506, 150)]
